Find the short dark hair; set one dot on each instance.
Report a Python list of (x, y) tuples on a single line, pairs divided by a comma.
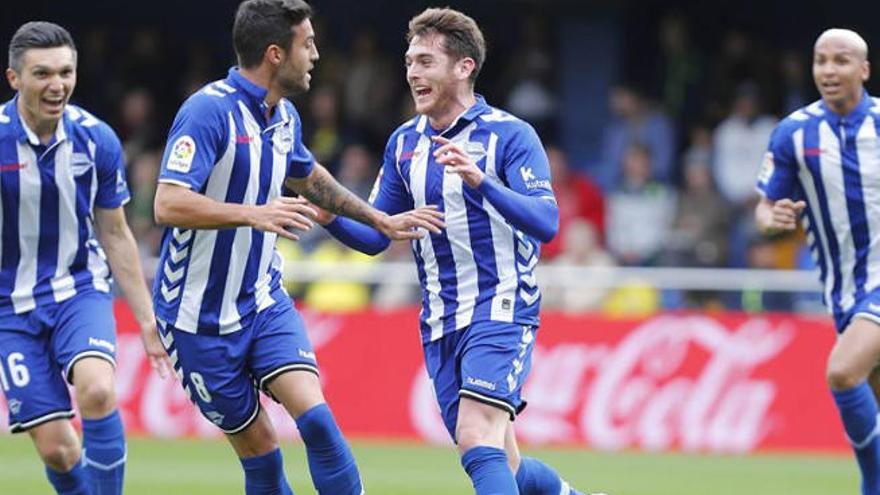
[(37, 34), (260, 23), (463, 37)]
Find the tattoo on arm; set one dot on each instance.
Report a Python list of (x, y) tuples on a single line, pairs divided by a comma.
[(323, 190)]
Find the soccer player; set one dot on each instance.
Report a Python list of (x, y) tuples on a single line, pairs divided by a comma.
[(62, 188), (487, 171), (823, 165), (224, 317)]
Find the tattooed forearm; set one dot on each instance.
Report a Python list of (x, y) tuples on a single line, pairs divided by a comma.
[(323, 190)]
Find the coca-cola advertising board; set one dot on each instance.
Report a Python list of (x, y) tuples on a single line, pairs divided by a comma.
[(720, 382)]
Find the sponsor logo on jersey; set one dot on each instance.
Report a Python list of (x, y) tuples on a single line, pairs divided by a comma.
[(477, 382), (102, 343)]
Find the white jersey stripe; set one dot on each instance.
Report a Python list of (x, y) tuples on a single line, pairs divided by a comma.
[(458, 233), (418, 172), (28, 228), (813, 199), (203, 244), (833, 182), (502, 239), (867, 150), (68, 223), (229, 317)]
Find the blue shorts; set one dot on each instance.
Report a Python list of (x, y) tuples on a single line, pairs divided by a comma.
[(868, 307), (487, 361), (222, 374), (39, 348)]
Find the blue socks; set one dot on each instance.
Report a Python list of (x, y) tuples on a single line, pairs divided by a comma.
[(104, 453), (69, 483), (858, 410), (489, 472), (331, 464), (264, 475)]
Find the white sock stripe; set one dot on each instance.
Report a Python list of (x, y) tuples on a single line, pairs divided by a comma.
[(104, 467), (871, 436)]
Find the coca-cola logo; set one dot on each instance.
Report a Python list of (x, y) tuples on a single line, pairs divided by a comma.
[(673, 381)]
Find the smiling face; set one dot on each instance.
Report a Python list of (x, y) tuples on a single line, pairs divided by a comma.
[(435, 78), (840, 68), (45, 82), (293, 72)]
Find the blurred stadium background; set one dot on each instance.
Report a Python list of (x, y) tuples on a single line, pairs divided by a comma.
[(680, 353)]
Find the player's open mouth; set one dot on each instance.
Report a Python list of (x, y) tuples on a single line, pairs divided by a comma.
[(421, 91), (54, 103), (830, 86)]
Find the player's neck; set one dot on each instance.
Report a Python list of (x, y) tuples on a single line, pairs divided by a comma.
[(845, 107), (44, 129), (456, 106), (262, 78)]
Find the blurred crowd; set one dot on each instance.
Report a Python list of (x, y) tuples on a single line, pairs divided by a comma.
[(673, 186)]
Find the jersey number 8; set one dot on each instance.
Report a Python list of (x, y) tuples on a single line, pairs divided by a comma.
[(17, 371), (199, 383)]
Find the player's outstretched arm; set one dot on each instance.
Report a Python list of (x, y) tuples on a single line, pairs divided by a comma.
[(180, 207), (323, 190), (772, 217), (366, 239), (537, 216), (122, 253)]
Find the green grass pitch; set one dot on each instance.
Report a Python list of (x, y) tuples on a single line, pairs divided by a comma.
[(194, 467)]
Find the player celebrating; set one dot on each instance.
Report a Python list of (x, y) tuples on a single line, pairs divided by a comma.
[(224, 317), (488, 172), (61, 173), (823, 163)]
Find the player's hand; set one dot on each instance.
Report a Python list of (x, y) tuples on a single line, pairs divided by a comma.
[(156, 354), (409, 224), (284, 213), (451, 156), (784, 215)]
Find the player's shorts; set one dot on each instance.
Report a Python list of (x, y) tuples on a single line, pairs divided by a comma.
[(487, 362), (868, 307), (38, 350), (222, 374)]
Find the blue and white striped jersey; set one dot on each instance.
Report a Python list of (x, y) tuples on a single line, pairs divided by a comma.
[(223, 145), (833, 163), (48, 250), (479, 267)]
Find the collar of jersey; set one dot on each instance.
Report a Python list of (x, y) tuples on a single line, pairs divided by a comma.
[(856, 114), (460, 122), (257, 95), (25, 135)]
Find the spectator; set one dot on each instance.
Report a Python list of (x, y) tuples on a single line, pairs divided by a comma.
[(640, 212), (580, 248), (579, 199), (634, 121)]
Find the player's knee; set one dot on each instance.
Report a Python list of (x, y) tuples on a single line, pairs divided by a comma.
[(469, 436), (840, 376), (59, 456), (96, 398)]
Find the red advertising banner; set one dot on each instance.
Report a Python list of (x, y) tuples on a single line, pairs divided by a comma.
[(720, 382)]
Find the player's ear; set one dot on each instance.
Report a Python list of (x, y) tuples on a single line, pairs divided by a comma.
[(274, 55), (866, 70), (12, 78), (465, 67)]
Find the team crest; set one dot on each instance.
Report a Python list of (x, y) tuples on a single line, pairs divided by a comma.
[(284, 139), (182, 153)]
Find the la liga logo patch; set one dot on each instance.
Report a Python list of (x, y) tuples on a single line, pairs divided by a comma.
[(182, 153)]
